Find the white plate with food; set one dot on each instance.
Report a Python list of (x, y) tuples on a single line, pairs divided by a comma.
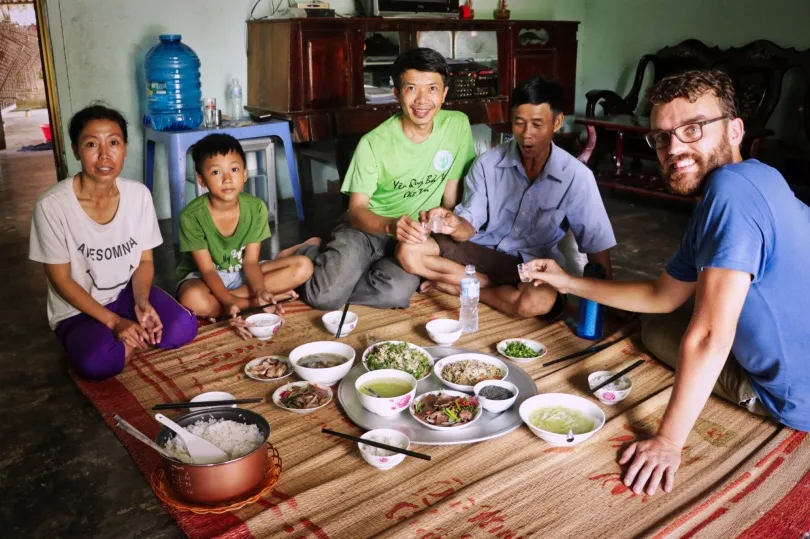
[(399, 355), (268, 368), (488, 426), (302, 397), (521, 350), (446, 410), (462, 371)]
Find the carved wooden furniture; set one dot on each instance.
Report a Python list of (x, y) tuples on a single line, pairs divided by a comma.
[(310, 71), (757, 70)]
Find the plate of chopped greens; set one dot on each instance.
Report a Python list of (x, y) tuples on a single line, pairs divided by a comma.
[(521, 350), (399, 355)]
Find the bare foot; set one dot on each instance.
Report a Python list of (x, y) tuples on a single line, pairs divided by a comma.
[(442, 287), (290, 251)]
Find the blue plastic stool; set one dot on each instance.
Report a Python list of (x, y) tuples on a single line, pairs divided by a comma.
[(177, 144)]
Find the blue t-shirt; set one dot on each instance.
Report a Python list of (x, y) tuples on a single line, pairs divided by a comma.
[(749, 220)]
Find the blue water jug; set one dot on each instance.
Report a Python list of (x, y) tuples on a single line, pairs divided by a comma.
[(591, 314), (173, 94)]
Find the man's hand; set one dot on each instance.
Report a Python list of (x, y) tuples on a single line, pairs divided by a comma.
[(653, 460), (237, 322), (448, 221), (547, 271), (407, 230)]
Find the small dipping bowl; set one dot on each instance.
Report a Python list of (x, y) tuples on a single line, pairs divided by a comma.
[(212, 396), (444, 331), (385, 406), (378, 435), (613, 393), (263, 325), (496, 406), (331, 321)]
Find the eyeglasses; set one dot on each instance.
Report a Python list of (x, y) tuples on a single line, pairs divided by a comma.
[(687, 133)]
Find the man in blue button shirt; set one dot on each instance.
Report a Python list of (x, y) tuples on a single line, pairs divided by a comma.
[(744, 257), (520, 199)]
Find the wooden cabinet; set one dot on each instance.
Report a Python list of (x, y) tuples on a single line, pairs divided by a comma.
[(326, 68), (310, 71)]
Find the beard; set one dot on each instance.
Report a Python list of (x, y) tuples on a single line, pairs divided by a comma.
[(690, 183)]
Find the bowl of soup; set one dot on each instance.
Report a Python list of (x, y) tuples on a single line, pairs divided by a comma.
[(324, 362), (385, 392), (561, 419)]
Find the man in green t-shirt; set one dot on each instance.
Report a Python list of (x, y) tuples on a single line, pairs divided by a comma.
[(412, 162)]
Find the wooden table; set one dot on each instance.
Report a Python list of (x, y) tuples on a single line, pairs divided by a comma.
[(618, 178)]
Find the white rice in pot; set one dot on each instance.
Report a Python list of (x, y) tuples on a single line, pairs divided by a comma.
[(235, 438)]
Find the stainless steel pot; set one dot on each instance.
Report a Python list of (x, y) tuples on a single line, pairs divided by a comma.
[(218, 483)]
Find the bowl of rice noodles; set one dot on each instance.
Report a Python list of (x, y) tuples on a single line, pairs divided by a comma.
[(241, 434)]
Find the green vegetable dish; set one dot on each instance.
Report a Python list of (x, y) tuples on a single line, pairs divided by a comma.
[(400, 356), (518, 349)]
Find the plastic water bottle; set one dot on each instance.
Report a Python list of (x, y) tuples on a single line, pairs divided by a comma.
[(236, 100), (173, 94), (470, 292), (591, 314)]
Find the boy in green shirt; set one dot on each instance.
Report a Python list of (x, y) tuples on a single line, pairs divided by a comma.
[(409, 164), (220, 239)]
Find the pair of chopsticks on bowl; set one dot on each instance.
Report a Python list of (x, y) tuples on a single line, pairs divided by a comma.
[(200, 404), (342, 319), (393, 448)]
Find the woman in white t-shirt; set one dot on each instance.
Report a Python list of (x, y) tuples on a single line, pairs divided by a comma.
[(94, 233)]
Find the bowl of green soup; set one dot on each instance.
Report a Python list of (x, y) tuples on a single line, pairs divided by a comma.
[(561, 419), (385, 392)]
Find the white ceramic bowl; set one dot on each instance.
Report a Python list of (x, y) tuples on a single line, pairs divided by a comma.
[(538, 347), (211, 396), (270, 324), (277, 397), (412, 346), (384, 462), (385, 406), (439, 427), (444, 331), (331, 321), (327, 376), (496, 406), (610, 396), (437, 368), (259, 360), (569, 401)]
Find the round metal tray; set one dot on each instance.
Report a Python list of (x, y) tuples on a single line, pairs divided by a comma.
[(489, 426)]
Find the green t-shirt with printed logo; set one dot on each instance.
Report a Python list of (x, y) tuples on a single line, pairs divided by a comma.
[(402, 177), (198, 231)]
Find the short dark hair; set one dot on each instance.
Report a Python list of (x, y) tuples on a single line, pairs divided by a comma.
[(421, 59), (539, 90), (692, 85), (96, 111), (215, 144)]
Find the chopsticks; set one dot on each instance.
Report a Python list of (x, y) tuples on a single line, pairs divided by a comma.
[(377, 444), (175, 405), (586, 352), (617, 375), (342, 319), (254, 310)]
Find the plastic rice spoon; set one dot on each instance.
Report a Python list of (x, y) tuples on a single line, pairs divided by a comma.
[(201, 451)]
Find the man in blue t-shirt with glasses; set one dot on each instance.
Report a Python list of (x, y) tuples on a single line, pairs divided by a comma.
[(745, 259)]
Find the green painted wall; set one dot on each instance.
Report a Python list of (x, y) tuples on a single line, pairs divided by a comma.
[(616, 33)]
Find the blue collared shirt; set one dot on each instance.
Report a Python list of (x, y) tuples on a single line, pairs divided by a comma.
[(528, 219)]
